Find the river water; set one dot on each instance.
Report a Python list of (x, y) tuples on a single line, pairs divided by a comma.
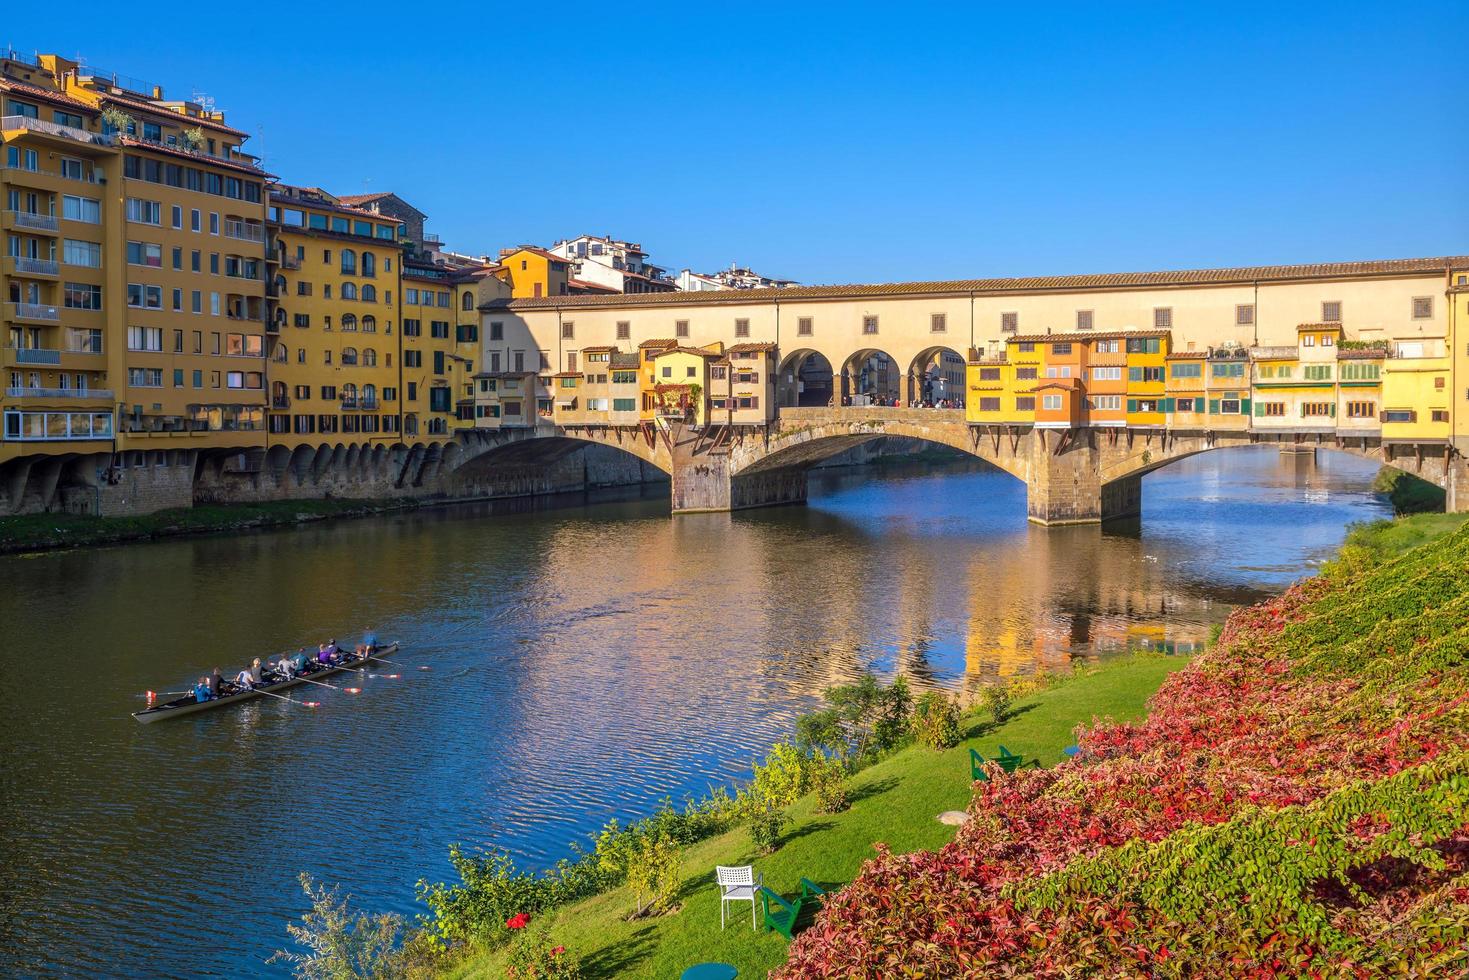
[(586, 659)]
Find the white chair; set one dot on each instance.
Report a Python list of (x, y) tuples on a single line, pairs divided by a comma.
[(739, 884)]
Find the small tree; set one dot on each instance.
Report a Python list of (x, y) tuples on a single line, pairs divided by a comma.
[(895, 705), (996, 700), (194, 138), (936, 721), (829, 782), (116, 121), (766, 826), (652, 871), (340, 944)]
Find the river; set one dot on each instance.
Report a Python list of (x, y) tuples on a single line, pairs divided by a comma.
[(585, 659)]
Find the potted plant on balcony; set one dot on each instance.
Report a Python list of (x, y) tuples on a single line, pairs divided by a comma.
[(194, 139), (114, 120)]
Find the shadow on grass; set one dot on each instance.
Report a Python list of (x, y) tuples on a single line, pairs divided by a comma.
[(875, 788), (613, 960), (989, 727), (815, 827)]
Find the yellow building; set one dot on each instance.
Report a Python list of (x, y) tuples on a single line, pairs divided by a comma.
[(1458, 342), (63, 357), (681, 388), (1227, 388), (1415, 392), (1147, 357), (533, 272), (335, 366), (439, 352), (1185, 402), (1359, 390), (506, 400), (648, 352)]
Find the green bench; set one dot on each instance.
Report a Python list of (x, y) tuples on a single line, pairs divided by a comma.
[(1007, 761), (780, 914)]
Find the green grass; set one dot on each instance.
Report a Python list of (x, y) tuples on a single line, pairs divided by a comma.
[(33, 532), (1384, 539), (1408, 493), (895, 801)]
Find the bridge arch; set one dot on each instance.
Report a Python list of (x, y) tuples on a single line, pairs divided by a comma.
[(805, 380), (871, 372), (936, 374)]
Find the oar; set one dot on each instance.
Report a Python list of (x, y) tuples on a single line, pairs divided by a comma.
[(164, 694), (304, 704), (322, 683)]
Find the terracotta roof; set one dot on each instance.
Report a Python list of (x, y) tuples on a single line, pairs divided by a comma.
[(1186, 355), (722, 362), (201, 158), (621, 361), (1319, 326), (567, 374), (1086, 335), (989, 361), (702, 352), (39, 92), (1120, 280), (304, 202), (163, 110), (534, 250), (1067, 383), (589, 287), (600, 347), (658, 343), (745, 348)]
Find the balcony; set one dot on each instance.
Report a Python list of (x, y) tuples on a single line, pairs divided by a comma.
[(290, 262), (244, 231), (33, 311), (359, 404), (280, 401), (102, 393), (31, 221), (42, 356), (10, 123), (21, 266)]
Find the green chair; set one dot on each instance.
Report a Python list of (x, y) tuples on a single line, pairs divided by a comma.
[(780, 914), (1009, 761)]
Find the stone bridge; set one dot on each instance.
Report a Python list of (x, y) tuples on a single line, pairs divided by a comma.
[(1072, 476)]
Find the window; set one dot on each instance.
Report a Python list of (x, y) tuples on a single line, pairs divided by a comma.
[(1083, 319), (349, 290), (1185, 370), (1440, 415), (1009, 323), (1102, 373), (1183, 405), (468, 304), (1312, 410), (213, 222), (1230, 406), (145, 377), (1106, 403), (1145, 374), (1399, 415), (1317, 372), (81, 296), (624, 330), (1025, 403), (1143, 345), (1244, 314), (14, 108), (869, 324), (1308, 340), (1111, 346), (624, 404), (349, 262), (146, 297), (742, 328), (81, 209), (145, 338), (1422, 307), (1360, 372), (1051, 403), (145, 253), (568, 330), (1331, 311), (803, 326), (989, 374), (681, 328), (1270, 409), (1061, 349), (1235, 369), (178, 301), (497, 330), (369, 264), (1361, 410), (87, 254), (1163, 318), (989, 404), (938, 323), (689, 371), (143, 212), (1029, 373), (369, 293)]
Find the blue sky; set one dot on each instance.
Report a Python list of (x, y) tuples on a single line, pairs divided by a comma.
[(852, 143)]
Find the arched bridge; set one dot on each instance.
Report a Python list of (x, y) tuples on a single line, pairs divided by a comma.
[(1071, 475)]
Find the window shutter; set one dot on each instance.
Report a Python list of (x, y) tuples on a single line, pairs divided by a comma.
[(1331, 409), (1213, 406), (1244, 406), (1168, 404), (1132, 405), (1259, 410)]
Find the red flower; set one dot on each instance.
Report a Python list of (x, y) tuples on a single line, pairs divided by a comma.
[(517, 921), (558, 950)]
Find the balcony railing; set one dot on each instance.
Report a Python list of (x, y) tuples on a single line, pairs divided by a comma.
[(290, 262), (54, 129), (34, 221), (34, 311), (87, 176), (244, 231), (36, 355), (359, 404), (35, 267), (58, 393), (280, 401)]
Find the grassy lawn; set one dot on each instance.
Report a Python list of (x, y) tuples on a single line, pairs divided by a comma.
[(895, 801), (1387, 538)]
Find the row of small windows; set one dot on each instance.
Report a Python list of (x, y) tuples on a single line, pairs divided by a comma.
[(349, 322), (336, 223), (366, 293), (190, 178)]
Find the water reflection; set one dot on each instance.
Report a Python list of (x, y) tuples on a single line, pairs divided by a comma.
[(585, 661)]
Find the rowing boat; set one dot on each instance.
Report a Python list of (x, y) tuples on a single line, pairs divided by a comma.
[(186, 705)]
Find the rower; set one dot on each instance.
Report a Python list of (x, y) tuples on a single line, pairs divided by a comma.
[(283, 668), (201, 690), (215, 682), (298, 662), (369, 640), (333, 652), (257, 672), (322, 657), (244, 680)]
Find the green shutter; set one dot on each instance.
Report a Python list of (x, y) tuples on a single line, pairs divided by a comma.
[(1132, 404), (1213, 406), (1259, 409), (1331, 410), (1244, 406), (1168, 404)]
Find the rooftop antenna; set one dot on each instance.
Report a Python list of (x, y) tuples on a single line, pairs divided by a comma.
[(204, 100)]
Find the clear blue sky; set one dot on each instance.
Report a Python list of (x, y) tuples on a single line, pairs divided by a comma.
[(856, 143)]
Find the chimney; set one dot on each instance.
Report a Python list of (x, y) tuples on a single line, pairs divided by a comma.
[(158, 92)]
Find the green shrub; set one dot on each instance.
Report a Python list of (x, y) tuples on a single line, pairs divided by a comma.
[(341, 944), (534, 957), (936, 721), (652, 871), (765, 828), (782, 779), (894, 712), (995, 699), (860, 721), (829, 783)]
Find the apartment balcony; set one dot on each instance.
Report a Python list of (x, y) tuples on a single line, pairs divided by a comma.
[(102, 394), (29, 221), (68, 359), (359, 404), (244, 231), (54, 131), (17, 265), (290, 262), (32, 312), (280, 401)]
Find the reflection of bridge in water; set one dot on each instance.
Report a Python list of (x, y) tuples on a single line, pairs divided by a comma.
[(1072, 476)]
